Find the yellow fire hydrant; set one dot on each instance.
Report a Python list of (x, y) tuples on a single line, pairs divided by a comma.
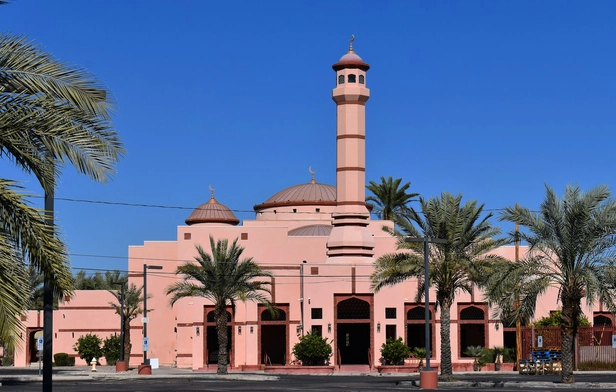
[(93, 363)]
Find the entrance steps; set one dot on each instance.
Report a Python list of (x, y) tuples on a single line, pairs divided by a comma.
[(353, 369)]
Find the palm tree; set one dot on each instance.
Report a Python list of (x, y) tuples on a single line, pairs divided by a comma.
[(132, 308), (51, 114), (571, 243), (390, 198), (454, 265), (223, 278)]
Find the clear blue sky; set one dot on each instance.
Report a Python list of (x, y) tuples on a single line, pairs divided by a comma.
[(491, 99)]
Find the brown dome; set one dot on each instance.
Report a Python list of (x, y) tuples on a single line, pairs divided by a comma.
[(311, 231), (351, 60), (212, 212), (311, 193)]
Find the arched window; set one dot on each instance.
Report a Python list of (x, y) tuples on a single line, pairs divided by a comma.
[(361, 79), (417, 313), (472, 313), (353, 309), (212, 319), (351, 78), (341, 79), (266, 315)]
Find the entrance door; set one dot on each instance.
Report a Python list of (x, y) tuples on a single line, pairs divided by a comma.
[(353, 343), (212, 346), (274, 344)]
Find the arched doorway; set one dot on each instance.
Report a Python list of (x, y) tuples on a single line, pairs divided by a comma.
[(602, 331), (353, 330), (274, 330), (416, 327), (211, 338), (472, 326), (33, 335)]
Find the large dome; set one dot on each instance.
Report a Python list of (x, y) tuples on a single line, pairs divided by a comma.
[(212, 212), (311, 193)]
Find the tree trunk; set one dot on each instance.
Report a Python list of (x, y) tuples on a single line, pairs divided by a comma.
[(127, 345), (221, 329), (567, 332), (446, 367)]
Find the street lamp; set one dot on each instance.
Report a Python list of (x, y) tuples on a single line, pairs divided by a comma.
[(145, 307), (122, 285), (431, 377)]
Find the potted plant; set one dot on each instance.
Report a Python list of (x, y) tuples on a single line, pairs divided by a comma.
[(476, 352), (498, 353), (312, 349), (394, 351), (419, 353)]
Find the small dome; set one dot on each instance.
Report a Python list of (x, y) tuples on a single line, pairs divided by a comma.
[(351, 60), (212, 212), (311, 231), (311, 193)]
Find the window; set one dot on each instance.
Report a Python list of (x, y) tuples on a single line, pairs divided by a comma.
[(186, 236), (390, 332), (361, 79), (244, 236), (317, 329), (317, 209), (341, 79), (390, 313), (294, 210), (314, 270), (351, 78), (316, 313)]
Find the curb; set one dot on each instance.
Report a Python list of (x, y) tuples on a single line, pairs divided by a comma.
[(514, 384)]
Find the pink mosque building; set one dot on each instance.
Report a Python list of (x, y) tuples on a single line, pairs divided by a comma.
[(320, 243)]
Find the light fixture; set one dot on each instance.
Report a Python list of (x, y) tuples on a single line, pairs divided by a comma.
[(378, 327), (251, 329), (239, 329), (329, 327), (497, 325), (298, 329), (198, 331)]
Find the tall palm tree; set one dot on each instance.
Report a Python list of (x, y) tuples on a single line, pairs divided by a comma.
[(453, 266), (571, 244), (224, 278), (51, 114), (390, 198), (133, 299)]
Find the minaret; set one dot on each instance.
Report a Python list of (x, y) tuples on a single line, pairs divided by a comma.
[(350, 239)]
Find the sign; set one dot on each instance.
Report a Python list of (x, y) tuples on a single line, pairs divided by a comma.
[(39, 343), (145, 320), (539, 341), (613, 341), (146, 344)]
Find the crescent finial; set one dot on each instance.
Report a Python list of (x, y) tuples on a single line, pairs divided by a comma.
[(311, 172), (351, 43), (211, 190)]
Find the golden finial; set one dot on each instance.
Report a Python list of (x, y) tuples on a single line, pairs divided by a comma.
[(312, 172), (212, 190), (351, 43)]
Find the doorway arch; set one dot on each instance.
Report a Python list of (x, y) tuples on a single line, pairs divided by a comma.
[(274, 332), (210, 340), (472, 329), (353, 329)]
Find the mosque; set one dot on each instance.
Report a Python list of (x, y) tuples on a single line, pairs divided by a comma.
[(320, 243)]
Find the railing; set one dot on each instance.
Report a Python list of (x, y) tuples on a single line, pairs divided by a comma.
[(370, 358), (338, 358), (266, 359)]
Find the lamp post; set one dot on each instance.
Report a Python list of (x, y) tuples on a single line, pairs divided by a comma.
[(429, 380), (145, 307), (122, 285)]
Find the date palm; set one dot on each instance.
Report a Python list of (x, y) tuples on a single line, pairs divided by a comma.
[(133, 299), (224, 278), (571, 244), (391, 200), (453, 266), (51, 115)]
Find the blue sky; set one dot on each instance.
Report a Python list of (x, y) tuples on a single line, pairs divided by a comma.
[(491, 99)]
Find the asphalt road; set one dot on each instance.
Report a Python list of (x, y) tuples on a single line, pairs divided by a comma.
[(286, 383)]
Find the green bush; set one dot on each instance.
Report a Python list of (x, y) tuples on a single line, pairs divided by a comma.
[(555, 319), (419, 353), (509, 355), (111, 349), (312, 349), (394, 351), (63, 359), (88, 347), (7, 361)]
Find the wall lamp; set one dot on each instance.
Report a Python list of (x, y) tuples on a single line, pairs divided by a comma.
[(378, 327), (239, 329), (497, 325), (198, 331), (329, 327)]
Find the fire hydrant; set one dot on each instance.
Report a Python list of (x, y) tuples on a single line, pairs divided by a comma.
[(93, 363)]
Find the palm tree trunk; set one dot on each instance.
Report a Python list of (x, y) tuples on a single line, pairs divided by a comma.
[(127, 345), (567, 333), (220, 313), (446, 367)]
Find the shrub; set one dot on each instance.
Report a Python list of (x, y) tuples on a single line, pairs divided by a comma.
[(7, 361), (555, 319), (88, 347), (509, 355), (111, 349), (63, 359), (394, 351), (419, 353), (312, 349)]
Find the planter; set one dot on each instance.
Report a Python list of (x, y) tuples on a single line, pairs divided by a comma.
[(299, 369), (507, 366), (144, 369), (121, 366), (397, 369), (497, 367)]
